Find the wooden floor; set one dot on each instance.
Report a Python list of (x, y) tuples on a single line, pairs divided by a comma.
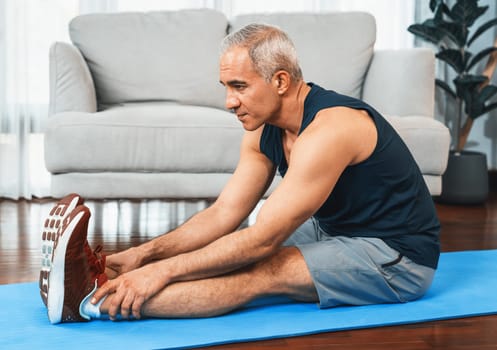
[(121, 224)]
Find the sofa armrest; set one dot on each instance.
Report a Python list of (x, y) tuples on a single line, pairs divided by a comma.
[(401, 82), (71, 84)]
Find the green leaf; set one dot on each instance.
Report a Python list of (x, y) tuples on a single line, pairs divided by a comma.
[(426, 32), (444, 86), (431, 23), (467, 11), (480, 56), (478, 14), (484, 27), (445, 9), (434, 4), (455, 32), (453, 58), (467, 84), (439, 12), (470, 80), (487, 92), (489, 108), (476, 105), (480, 109)]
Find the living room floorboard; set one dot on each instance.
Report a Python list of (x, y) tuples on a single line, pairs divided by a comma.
[(118, 225)]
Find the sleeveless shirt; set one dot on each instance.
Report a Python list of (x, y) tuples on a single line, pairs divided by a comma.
[(384, 196)]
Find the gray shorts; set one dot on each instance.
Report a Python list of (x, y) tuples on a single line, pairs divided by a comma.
[(358, 271)]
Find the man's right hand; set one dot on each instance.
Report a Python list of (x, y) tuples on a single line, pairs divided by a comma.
[(122, 262)]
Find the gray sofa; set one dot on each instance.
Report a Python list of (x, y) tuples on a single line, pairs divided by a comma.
[(137, 110)]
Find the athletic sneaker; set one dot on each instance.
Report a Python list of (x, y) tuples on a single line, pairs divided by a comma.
[(72, 275), (51, 229)]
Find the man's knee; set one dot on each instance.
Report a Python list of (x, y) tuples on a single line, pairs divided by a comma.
[(410, 280), (289, 274)]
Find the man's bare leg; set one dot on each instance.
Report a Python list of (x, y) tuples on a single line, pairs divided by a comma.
[(284, 273)]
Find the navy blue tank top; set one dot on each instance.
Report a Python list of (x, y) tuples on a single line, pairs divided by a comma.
[(384, 196)]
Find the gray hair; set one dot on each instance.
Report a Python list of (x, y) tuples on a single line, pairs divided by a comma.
[(269, 48)]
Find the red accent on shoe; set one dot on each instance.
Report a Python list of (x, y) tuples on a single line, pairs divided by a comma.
[(96, 262)]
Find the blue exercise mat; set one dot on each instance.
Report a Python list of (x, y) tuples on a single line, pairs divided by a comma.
[(464, 285)]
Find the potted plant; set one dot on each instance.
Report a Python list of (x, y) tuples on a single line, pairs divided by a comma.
[(451, 31)]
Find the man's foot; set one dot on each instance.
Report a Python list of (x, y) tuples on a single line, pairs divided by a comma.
[(51, 228), (74, 273)]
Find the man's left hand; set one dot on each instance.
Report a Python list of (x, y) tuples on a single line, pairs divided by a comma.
[(130, 291)]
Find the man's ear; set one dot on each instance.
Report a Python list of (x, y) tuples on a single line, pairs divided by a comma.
[(281, 80)]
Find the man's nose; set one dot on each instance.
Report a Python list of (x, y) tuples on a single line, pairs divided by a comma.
[(232, 102)]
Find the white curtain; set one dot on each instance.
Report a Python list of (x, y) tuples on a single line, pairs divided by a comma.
[(26, 30), (28, 27)]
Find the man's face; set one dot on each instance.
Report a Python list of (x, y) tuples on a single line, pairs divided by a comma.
[(254, 100)]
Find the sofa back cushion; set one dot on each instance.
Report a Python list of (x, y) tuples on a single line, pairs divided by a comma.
[(334, 49), (153, 56)]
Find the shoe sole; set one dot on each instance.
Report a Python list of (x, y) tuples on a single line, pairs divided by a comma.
[(55, 302), (51, 228)]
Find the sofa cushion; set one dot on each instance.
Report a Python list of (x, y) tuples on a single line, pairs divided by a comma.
[(139, 185), (427, 139), (163, 56), (144, 137), (334, 49)]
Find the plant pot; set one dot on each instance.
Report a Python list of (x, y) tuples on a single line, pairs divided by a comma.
[(466, 179)]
